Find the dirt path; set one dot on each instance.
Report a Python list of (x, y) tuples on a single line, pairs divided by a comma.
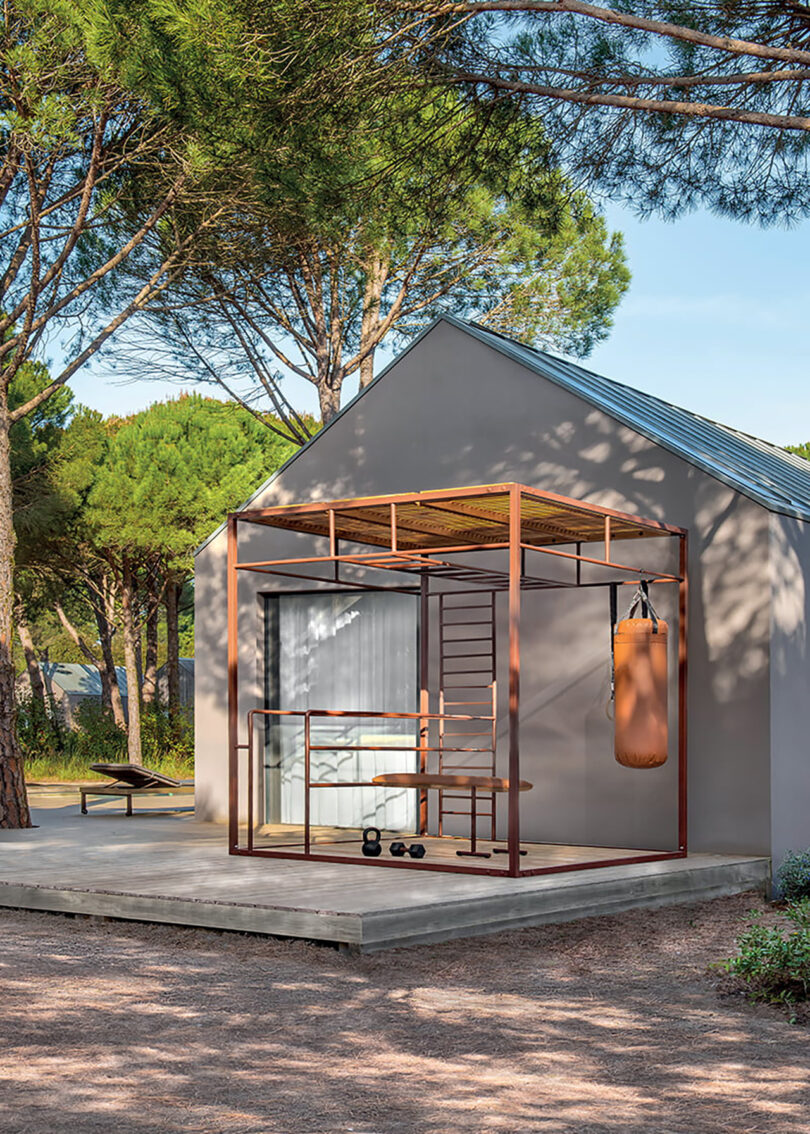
[(595, 1027)]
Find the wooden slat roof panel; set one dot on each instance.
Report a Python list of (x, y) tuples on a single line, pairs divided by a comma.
[(477, 516)]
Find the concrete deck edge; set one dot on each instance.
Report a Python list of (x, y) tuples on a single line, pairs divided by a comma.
[(312, 925), (567, 898), (578, 899)]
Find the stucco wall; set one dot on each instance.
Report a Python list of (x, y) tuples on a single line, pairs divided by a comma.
[(454, 411), (790, 686)]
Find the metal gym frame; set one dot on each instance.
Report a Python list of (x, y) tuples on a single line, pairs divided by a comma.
[(417, 532)]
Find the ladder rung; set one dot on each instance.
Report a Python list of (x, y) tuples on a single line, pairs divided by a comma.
[(452, 657), (470, 622), (481, 717), (452, 641), (446, 748), (487, 796), (467, 606)]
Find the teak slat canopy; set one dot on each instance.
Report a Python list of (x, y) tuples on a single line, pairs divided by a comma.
[(422, 535)]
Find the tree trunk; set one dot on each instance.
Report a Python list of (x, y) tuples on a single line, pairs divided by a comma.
[(329, 397), (152, 618), (13, 801), (131, 644), (110, 693), (31, 659), (376, 276), (172, 600), (103, 602)]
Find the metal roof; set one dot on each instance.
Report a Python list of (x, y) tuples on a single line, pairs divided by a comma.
[(766, 473), (75, 678)]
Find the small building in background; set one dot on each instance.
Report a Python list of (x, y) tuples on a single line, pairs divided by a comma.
[(186, 682), (71, 685)]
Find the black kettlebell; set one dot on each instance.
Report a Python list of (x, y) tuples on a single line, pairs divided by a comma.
[(372, 847), (398, 850)]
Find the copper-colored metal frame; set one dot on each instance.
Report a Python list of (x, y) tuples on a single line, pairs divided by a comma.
[(319, 519)]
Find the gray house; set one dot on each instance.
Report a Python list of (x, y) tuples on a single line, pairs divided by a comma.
[(465, 406), (73, 684), (186, 674)]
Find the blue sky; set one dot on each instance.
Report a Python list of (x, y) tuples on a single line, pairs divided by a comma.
[(715, 320)]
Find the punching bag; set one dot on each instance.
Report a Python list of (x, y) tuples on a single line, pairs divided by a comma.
[(640, 688)]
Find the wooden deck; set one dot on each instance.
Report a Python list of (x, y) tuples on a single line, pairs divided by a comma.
[(167, 867), (343, 841)]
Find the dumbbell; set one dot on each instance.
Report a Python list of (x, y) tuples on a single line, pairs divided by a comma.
[(415, 850)]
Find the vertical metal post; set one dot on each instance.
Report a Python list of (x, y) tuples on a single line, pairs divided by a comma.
[(393, 508), (514, 681), (607, 539), (683, 616), (250, 781), (307, 780), (440, 723), (494, 711), (232, 585), (424, 693)]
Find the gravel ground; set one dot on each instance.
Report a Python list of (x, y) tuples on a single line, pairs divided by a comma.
[(605, 1025)]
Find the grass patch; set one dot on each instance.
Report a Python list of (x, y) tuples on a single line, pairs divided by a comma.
[(72, 767), (55, 754)]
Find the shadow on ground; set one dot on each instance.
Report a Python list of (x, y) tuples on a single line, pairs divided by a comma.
[(602, 1026)]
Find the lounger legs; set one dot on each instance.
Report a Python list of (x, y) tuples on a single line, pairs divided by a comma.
[(129, 805), (84, 803)]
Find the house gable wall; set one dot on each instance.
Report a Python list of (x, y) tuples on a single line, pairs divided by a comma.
[(453, 411)]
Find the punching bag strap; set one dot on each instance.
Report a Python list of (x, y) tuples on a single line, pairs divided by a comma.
[(648, 610), (614, 608), (642, 597)]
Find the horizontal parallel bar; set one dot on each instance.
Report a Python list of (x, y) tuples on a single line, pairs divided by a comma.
[(388, 748)]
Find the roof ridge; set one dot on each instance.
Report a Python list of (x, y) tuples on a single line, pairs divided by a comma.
[(759, 469)]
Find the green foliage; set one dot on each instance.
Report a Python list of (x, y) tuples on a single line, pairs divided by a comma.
[(800, 450), (793, 876), (662, 147), (449, 208), (168, 747), (170, 474), (36, 449), (772, 962), (40, 730)]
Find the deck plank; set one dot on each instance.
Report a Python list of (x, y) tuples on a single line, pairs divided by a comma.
[(169, 867)]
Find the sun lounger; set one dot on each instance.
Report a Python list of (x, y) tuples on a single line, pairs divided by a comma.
[(133, 779)]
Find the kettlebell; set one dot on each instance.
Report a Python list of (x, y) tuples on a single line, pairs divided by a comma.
[(372, 847)]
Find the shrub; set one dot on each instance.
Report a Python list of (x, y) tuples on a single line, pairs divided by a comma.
[(52, 752), (166, 745), (97, 738), (793, 876), (775, 962), (41, 731)]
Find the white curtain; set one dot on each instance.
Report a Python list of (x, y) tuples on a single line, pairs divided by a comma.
[(345, 651)]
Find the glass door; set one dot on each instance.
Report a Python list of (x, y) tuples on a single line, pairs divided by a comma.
[(333, 650)]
